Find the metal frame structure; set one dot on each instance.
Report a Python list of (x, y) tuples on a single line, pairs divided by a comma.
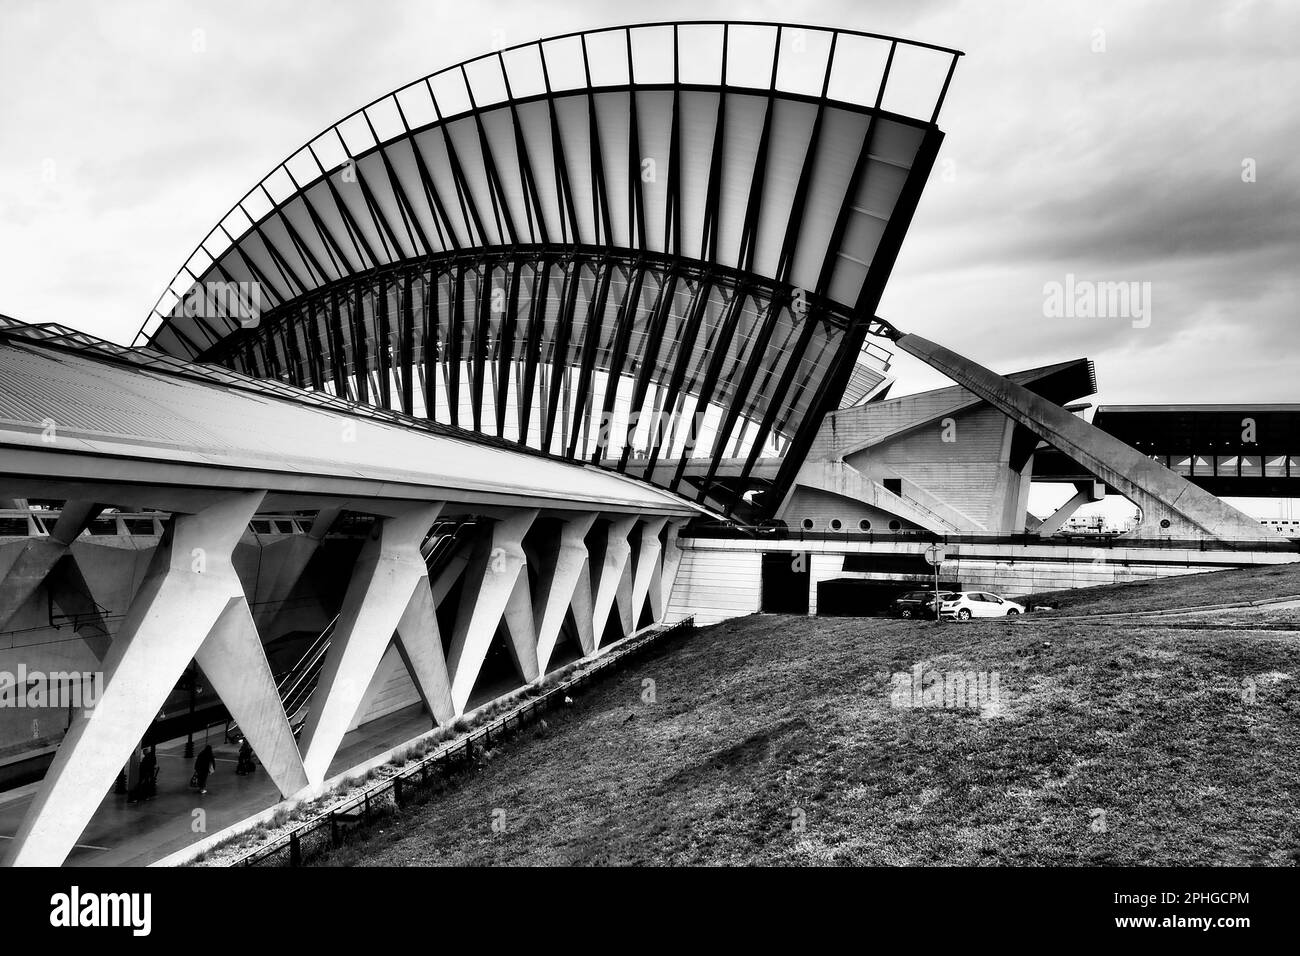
[(495, 246)]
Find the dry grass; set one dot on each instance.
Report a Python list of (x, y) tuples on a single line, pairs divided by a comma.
[(1113, 745), (1216, 587)]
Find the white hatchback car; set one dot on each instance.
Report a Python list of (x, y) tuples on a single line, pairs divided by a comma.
[(964, 605)]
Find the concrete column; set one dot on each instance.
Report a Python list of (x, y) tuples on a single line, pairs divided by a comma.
[(190, 584), (609, 576), (583, 608), (489, 586), (623, 599), (522, 629), (233, 660), (389, 572), (664, 574), (648, 564), (419, 642), (1088, 491), (563, 567)]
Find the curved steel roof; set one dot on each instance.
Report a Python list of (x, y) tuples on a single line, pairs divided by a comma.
[(690, 220)]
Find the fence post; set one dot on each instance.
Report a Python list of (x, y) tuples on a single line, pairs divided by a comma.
[(334, 830), (295, 850), (365, 812), (397, 792)]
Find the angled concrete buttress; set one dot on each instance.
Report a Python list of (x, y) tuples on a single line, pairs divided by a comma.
[(1161, 494), (388, 594), (664, 573), (647, 561), (609, 576), (561, 570), (191, 596), (490, 587)]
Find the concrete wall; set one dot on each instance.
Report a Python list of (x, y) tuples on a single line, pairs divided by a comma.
[(823, 506), (722, 578), (716, 584)]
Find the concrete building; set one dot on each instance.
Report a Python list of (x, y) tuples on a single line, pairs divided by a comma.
[(533, 353)]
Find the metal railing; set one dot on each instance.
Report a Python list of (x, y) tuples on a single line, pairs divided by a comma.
[(326, 831), (770, 532)]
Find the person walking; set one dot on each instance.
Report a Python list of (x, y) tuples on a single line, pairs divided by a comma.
[(148, 775), (204, 766), (245, 764)]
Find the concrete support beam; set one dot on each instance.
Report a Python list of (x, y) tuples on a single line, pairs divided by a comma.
[(609, 575), (489, 586), (562, 567), (389, 572), (1162, 495), (648, 562), (189, 587), (623, 598), (522, 629), (233, 660), (1088, 491), (36, 557), (584, 608), (664, 574), (419, 642)]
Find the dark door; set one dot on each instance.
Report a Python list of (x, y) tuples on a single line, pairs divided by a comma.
[(785, 582)]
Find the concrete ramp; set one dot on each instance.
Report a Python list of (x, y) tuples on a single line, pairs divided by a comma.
[(1162, 495)]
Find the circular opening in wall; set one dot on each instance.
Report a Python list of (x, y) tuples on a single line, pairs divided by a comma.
[(895, 525), (808, 524), (1164, 522), (836, 524), (864, 525)]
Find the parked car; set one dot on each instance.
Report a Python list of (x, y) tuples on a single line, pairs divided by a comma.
[(917, 603), (965, 605)]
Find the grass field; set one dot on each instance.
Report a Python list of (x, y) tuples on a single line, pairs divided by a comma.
[(784, 740)]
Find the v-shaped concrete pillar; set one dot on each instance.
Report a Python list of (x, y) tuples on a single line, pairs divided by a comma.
[(490, 585), (563, 568), (664, 572), (647, 566), (389, 594), (609, 576), (233, 659), (191, 604)]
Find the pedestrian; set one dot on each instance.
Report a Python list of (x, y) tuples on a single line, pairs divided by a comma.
[(205, 765), (148, 775), (245, 764)]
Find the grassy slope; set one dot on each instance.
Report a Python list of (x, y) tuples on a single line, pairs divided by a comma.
[(1216, 587), (757, 717)]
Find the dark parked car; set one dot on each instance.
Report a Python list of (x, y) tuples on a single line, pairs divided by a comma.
[(918, 603)]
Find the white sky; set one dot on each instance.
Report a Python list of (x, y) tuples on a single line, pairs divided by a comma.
[(121, 146)]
